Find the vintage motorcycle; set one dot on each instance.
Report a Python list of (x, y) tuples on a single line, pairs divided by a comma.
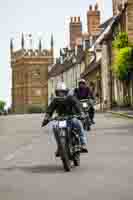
[(86, 105), (68, 141)]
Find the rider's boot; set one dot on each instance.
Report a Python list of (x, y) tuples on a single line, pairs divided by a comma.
[(92, 121), (84, 148), (57, 153)]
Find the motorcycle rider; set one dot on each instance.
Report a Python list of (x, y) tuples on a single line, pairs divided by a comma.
[(64, 104), (84, 92)]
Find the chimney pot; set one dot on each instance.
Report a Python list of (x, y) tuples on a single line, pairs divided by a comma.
[(90, 7), (96, 6)]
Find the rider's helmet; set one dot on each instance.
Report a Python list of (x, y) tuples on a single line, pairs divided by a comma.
[(82, 83), (61, 89)]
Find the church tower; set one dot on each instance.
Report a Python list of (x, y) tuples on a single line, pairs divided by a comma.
[(29, 76)]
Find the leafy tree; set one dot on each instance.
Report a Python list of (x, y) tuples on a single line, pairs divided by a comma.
[(2, 106), (123, 62), (121, 41)]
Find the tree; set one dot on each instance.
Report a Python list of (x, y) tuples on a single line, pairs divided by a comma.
[(2, 106), (123, 62), (121, 41)]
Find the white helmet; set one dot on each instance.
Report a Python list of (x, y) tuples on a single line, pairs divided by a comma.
[(82, 81), (61, 86)]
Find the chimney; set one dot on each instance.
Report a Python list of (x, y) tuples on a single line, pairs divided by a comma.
[(93, 20), (75, 30)]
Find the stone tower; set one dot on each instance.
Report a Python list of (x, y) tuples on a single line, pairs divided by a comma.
[(30, 76), (93, 20), (75, 30)]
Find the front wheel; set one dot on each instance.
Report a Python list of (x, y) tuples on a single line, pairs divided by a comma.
[(65, 154)]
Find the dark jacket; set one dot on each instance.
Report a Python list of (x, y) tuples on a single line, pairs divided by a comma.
[(83, 93), (64, 106)]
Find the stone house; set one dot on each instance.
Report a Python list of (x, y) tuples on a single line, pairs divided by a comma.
[(112, 88), (68, 69), (92, 72), (123, 91), (76, 33)]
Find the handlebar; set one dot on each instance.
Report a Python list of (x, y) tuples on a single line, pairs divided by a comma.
[(89, 100), (83, 100), (60, 118)]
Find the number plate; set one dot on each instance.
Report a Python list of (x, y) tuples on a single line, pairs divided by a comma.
[(62, 124), (85, 105)]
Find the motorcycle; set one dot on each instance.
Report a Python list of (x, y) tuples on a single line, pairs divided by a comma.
[(86, 105), (68, 141)]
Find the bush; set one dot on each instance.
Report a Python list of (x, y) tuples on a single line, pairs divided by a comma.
[(127, 101), (123, 63), (35, 109), (2, 106), (121, 41)]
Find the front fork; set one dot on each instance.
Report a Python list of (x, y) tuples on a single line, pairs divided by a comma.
[(58, 136)]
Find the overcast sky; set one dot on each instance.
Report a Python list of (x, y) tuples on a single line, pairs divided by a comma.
[(40, 18)]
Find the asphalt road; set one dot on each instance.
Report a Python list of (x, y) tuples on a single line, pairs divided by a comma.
[(29, 170)]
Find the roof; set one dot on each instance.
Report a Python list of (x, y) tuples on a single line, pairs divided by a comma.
[(91, 67), (106, 32), (58, 68), (106, 23)]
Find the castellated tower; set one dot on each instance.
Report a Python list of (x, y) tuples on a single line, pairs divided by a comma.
[(75, 30), (30, 76), (93, 20)]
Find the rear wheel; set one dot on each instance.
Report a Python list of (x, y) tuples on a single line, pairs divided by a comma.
[(87, 124), (76, 159)]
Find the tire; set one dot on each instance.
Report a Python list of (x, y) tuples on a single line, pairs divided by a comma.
[(88, 124), (76, 160), (65, 155), (88, 127)]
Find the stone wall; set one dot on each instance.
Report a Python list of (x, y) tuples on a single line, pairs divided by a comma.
[(130, 19), (106, 76)]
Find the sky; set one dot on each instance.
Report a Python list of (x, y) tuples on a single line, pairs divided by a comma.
[(39, 18)]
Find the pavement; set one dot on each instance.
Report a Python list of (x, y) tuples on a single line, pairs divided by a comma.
[(127, 112), (29, 170)]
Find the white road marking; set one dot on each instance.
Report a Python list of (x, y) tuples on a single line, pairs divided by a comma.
[(11, 156)]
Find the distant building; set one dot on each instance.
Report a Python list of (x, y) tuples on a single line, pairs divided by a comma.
[(68, 68), (74, 62), (113, 90), (93, 21), (30, 76), (126, 21), (93, 28), (75, 28)]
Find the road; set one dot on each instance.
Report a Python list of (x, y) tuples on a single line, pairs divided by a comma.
[(29, 170)]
